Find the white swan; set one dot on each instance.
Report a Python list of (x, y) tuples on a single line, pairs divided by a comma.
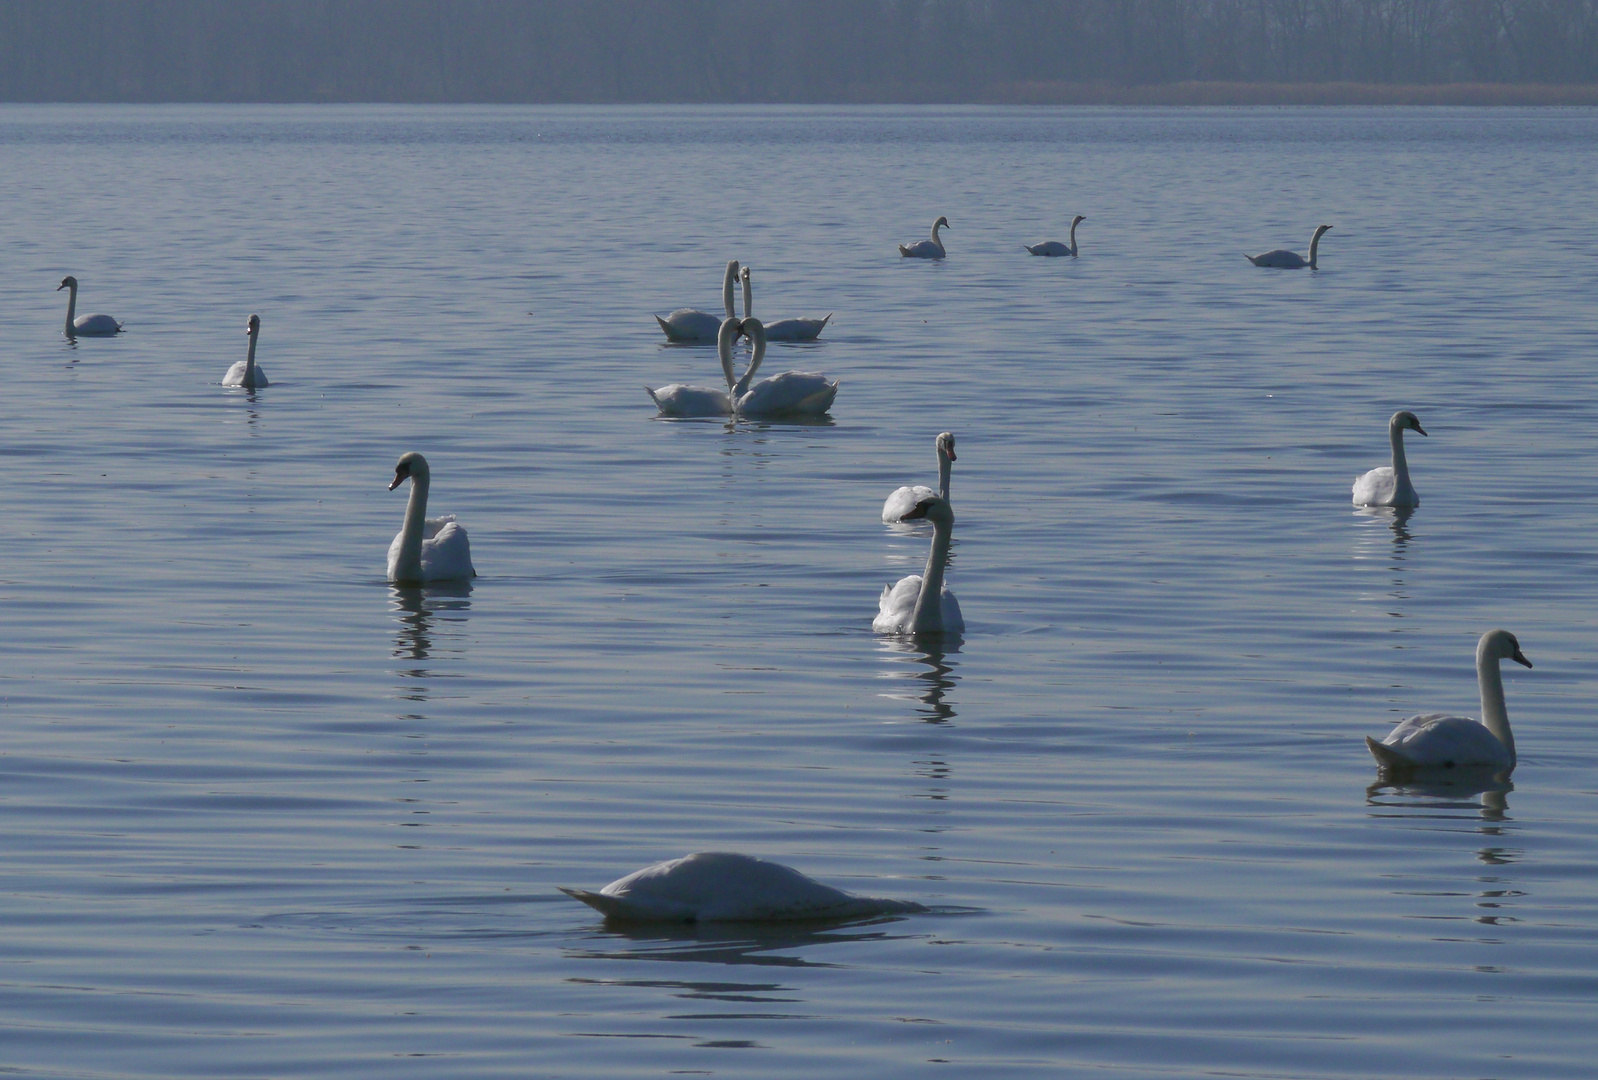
[(678, 399), (921, 603), (720, 886), (904, 499), (793, 393), (426, 549), (782, 329), (1439, 741), (1282, 259), (1389, 485), (85, 325), (244, 372), (926, 249), (688, 324), (1054, 247)]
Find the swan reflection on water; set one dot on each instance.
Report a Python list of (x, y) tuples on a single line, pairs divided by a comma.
[(757, 944), (416, 607), (934, 677), (1372, 546)]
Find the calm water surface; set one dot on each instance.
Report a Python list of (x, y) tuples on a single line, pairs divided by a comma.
[(263, 815)]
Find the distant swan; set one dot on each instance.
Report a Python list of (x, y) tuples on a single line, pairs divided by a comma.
[(1439, 741), (793, 393), (904, 499), (782, 329), (926, 249), (920, 603), (681, 400), (426, 549), (1389, 485), (720, 886), (244, 372), (1282, 259), (1054, 247), (687, 324), (85, 325)]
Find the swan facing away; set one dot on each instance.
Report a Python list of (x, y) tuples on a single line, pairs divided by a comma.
[(85, 325), (904, 499), (426, 549), (1282, 259), (1433, 741), (244, 372), (688, 324), (921, 603), (1389, 485), (782, 329), (926, 249), (793, 393), (720, 886), (679, 399), (1054, 247)]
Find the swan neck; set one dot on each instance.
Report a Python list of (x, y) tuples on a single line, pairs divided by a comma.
[(409, 565), (726, 289), (1314, 248), (757, 354), (928, 614), (1395, 435), (1493, 713), (1073, 237), (249, 364), (749, 302), (724, 352), (936, 225), (943, 475), (72, 306)]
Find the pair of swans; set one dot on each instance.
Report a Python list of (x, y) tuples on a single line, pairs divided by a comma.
[(244, 372), (1282, 259), (922, 603), (927, 249), (687, 324), (1433, 742), (85, 325), (791, 394), (1054, 247), (425, 549), (1389, 485)]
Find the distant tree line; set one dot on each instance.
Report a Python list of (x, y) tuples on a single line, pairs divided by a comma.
[(764, 50)]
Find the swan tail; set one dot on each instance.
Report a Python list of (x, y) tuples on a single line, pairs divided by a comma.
[(665, 327), (824, 322), (1252, 259), (611, 907), (904, 252), (1387, 757), (650, 390)]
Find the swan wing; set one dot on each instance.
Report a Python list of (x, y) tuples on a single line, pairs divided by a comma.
[(680, 400), (446, 552), (1280, 259), (896, 605), (795, 329), (688, 324), (793, 393), (1441, 741), (1049, 247), (1380, 487), (921, 249), (953, 621), (902, 501), (235, 374), (96, 325)]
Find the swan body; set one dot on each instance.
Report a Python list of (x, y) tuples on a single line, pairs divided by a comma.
[(720, 886), (793, 393), (782, 329), (1434, 741), (688, 324), (927, 249), (1282, 259), (688, 401), (244, 372), (426, 549), (85, 325), (1389, 485), (921, 603), (904, 499), (1054, 247)]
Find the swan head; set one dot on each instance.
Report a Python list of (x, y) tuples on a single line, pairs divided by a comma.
[(945, 445), (253, 327), (1320, 230), (743, 274), (68, 282), (1079, 219), (411, 466), (1500, 645), (941, 221), (934, 509), (1405, 420)]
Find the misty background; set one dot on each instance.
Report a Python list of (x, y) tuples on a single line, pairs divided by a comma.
[(772, 50)]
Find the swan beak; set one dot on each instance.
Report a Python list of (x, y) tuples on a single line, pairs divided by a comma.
[(1520, 658), (396, 483), (58, 288), (1421, 430), (951, 454)]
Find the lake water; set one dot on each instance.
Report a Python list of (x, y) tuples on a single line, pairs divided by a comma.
[(262, 814)]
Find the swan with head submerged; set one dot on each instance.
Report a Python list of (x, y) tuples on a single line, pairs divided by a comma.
[(904, 499), (921, 603), (244, 372), (927, 249), (688, 324), (782, 329), (426, 549), (85, 325), (721, 886), (1437, 741), (680, 400), (1389, 485), (793, 393), (1282, 259), (1054, 247)]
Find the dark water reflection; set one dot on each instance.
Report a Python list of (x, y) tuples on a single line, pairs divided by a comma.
[(931, 684)]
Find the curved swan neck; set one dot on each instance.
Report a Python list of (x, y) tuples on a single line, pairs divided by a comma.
[(726, 288), (1395, 435), (408, 567), (1073, 235), (1315, 247), (757, 335), (928, 614), (1493, 713), (936, 225), (724, 340)]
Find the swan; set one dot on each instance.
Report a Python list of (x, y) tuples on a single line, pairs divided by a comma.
[(85, 325), (904, 499), (426, 549), (678, 399), (686, 324), (244, 373), (1282, 259), (1389, 485), (793, 393), (1440, 741), (1054, 247), (721, 886), (782, 329), (926, 249), (921, 603)]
